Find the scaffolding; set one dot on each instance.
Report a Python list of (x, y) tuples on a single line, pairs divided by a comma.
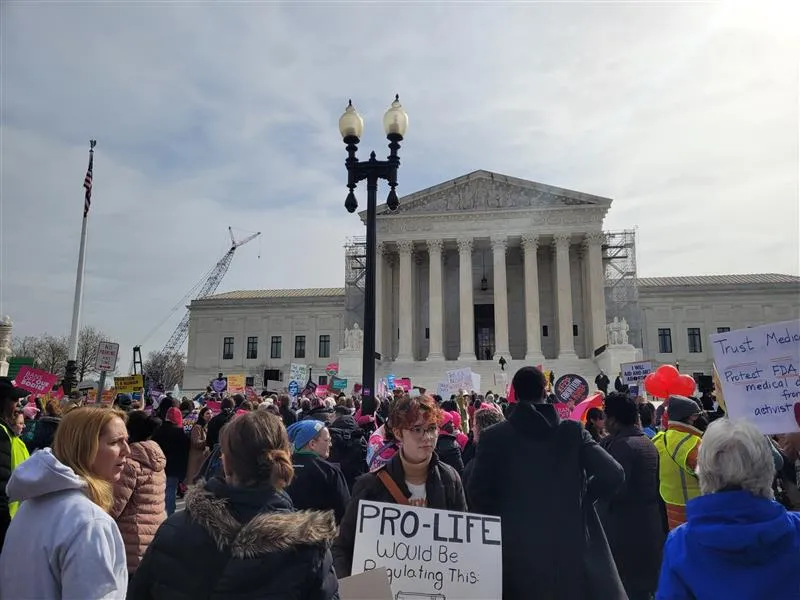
[(355, 272), (621, 291)]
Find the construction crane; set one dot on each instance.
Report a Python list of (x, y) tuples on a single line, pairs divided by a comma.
[(207, 286)]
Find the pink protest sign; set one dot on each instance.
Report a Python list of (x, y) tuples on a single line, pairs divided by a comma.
[(404, 383), (321, 391), (215, 406), (563, 410), (35, 381)]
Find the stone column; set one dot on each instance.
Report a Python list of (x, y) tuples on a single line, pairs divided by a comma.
[(466, 307), (593, 243), (406, 321), (566, 344), (533, 323), (5, 344), (379, 286), (435, 302), (499, 246)]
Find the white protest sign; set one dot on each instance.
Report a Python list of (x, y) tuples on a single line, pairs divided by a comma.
[(106, 356), (461, 378), (298, 373), (634, 372), (476, 382), (429, 553), (759, 370)]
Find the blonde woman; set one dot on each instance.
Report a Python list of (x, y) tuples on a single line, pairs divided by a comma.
[(63, 523)]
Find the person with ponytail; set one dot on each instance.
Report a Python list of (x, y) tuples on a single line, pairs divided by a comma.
[(62, 523), (240, 536)]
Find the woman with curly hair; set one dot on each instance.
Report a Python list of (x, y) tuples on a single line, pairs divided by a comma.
[(414, 476)]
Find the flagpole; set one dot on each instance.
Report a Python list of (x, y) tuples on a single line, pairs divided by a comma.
[(70, 376)]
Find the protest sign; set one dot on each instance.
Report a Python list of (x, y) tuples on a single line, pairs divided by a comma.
[(430, 553), (235, 383), (372, 585), (298, 373), (476, 383), (35, 381), (294, 388), (562, 410), (338, 384), (759, 370), (332, 369), (634, 372), (321, 391), (129, 385), (106, 356), (461, 378), (404, 383), (571, 387)]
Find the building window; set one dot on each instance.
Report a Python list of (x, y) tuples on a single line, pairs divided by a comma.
[(427, 333), (249, 381), (695, 342), (723, 329), (574, 330), (299, 346), (275, 347), (272, 375), (227, 348), (252, 347), (665, 340), (545, 331), (324, 346), (323, 380)]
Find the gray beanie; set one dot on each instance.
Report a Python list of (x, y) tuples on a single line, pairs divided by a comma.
[(680, 408)]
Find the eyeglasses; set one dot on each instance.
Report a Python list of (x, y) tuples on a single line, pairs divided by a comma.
[(430, 431)]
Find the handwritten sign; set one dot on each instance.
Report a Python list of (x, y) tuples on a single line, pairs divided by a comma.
[(635, 372), (106, 356), (236, 383), (128, 385), (35, 381), (430, 553), (571, 387), (461, 378), (298, 373), (759, 370)]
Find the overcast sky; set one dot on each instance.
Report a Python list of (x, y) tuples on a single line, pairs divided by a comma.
[(209, 115)]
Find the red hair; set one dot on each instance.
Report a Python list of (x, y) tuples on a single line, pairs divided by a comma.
[(407, 411)]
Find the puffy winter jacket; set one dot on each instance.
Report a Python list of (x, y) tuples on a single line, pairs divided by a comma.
[(139, 499)]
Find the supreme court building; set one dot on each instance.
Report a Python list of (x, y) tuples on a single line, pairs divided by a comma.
[(477, 268)]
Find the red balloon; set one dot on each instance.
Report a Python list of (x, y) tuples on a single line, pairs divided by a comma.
[(655, 386), (684, 386), (667, 373)]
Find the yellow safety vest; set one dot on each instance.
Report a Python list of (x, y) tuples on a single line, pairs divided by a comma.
[(19, 453), (678, 483)]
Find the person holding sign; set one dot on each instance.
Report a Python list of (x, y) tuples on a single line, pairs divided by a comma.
[(542, 476), (737, 542), (414, 476)]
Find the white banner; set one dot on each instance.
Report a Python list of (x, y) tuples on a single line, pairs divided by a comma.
[(633, 373), (759, 371), (298, 373), (429, 553), (461, 378)]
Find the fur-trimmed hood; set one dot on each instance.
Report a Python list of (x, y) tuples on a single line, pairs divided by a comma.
[(267, 531)]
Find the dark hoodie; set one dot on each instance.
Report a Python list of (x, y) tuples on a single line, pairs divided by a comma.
[(233, 542), (733, 545), (532, 470)]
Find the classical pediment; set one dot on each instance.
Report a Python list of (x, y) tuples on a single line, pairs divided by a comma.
[(484, 191)]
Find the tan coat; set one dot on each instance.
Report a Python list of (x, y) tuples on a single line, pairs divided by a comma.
[(139, 499), (197, 453)]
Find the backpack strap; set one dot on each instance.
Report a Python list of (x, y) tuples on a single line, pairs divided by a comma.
[(393, 488)]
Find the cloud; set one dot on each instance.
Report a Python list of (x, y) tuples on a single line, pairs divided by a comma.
[(209, 116)]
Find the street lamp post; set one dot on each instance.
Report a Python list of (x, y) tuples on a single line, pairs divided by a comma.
[(351, 126)]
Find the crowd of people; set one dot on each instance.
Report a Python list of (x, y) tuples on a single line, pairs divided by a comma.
[(638, 502)]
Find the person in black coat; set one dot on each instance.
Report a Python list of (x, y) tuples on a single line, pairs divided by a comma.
[(241, 538), (484, 418), (418, 475), (285, 409), (217, 422), (632, 518), (542, 476), (176, 445), (317, 484), (602, 382)]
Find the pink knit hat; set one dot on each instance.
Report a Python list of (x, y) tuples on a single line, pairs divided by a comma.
[(175, 417)]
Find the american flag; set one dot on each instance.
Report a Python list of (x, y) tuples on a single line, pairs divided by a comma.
[(87, 184)]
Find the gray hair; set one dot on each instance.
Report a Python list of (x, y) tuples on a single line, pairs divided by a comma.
[(734, 454)]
